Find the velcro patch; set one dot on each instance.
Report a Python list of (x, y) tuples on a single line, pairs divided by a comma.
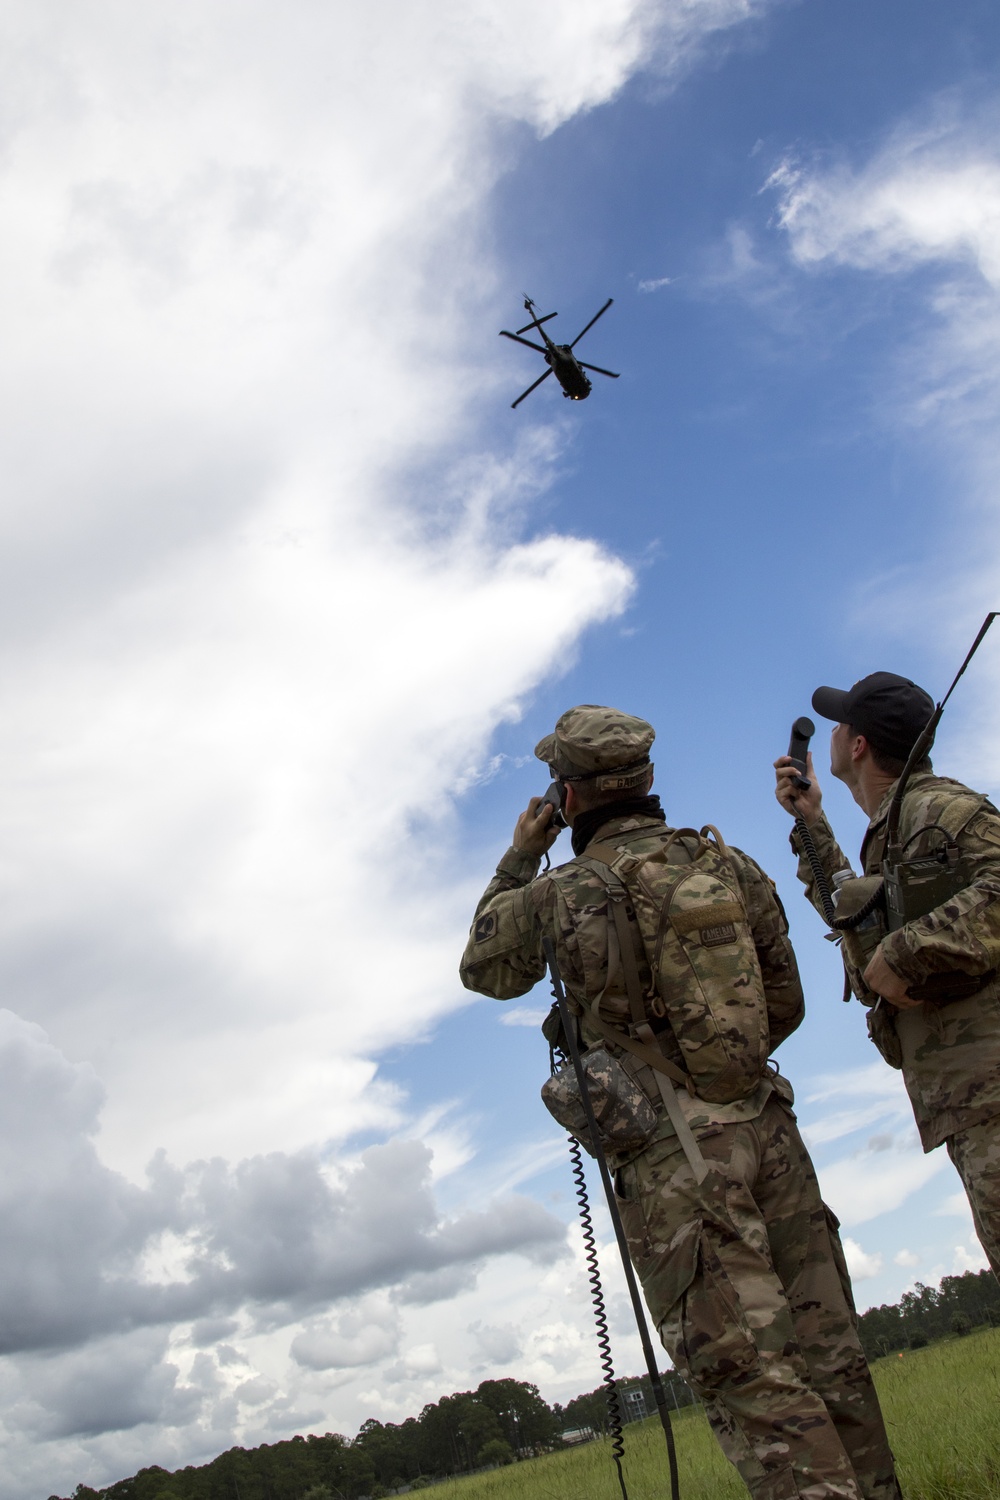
[(711, 917), (485, 927), (715, 937)]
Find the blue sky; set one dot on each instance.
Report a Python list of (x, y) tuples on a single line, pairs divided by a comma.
[(290, 593), (761, 468)]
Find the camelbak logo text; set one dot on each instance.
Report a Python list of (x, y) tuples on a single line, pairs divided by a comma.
[(714, 937)]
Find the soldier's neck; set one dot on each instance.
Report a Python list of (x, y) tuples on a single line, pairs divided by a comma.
[(586, 824), (870, 787)]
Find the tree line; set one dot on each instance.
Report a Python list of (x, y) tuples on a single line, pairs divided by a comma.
[(958, 1305), (500, 1422)]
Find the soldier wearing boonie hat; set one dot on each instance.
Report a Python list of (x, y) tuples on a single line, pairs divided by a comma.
[(716, 1194), (930, 985)]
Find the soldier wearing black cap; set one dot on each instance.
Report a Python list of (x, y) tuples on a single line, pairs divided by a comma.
[(739, 1258), (930, 984)]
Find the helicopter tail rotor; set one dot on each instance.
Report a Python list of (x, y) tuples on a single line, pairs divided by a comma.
[(537, 322)]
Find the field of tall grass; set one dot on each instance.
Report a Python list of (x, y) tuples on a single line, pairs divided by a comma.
[(941, 1405)]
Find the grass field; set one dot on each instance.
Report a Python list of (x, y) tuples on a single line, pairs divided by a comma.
[(941, 1405)]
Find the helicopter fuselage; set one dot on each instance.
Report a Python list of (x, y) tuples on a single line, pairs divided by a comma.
[(567, 371)]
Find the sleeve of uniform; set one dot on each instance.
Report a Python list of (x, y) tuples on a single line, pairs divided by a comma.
[(778, 966), (963, 933), (503, 957), (831, 857)]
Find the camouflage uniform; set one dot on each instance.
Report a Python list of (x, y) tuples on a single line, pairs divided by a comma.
[(743, 1272), (949, 1053)]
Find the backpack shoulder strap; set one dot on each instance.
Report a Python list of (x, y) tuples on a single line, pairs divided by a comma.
[(614, 877)]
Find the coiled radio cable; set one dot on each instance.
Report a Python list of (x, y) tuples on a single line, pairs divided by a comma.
[(600, 1312)]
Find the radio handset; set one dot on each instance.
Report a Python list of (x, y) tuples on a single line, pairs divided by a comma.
[(554, 797), (798, 748)]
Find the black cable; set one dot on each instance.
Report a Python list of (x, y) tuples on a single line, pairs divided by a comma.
[(839, 924), (600, 1312), (659, 1394)]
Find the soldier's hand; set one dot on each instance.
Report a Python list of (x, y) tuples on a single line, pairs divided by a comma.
[(887, 983), (807, 805), (533, 832)]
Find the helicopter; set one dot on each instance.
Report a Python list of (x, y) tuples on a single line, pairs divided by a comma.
[(561, 360)]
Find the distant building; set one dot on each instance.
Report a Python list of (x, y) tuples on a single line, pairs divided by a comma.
[(635, 1405)]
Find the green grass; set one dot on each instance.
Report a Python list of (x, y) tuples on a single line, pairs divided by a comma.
[(942, 1410)]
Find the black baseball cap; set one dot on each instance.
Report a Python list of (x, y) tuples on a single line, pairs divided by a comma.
[(889, 711)]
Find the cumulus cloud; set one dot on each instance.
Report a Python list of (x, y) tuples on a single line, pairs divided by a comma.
[(363, 1333), (860, 1264), (111, 1386), (499, 1344), (255, 546), (969, 1259), (280, 1234)]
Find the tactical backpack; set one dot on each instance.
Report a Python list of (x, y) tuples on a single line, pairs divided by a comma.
[(686, 900)]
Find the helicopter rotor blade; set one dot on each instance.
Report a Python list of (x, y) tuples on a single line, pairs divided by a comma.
[(535, 323), (505, 334), (530, 389), (611, 373), (592, 322)]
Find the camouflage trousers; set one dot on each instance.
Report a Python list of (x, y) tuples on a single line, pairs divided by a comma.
[(976, 1154), (745, 1278)]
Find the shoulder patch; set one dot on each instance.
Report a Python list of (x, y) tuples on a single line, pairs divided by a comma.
[(485, 927)]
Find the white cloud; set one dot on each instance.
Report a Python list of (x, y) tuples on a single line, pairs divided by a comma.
[(924, 197), (969, 1259), (254, 552), (366, 1331), (906, 1258), (280, 1233), (882, 1100), (500, 1344), (861, 1265), (955, 1205), (522, 1015), (928, 198), (870, 1182)]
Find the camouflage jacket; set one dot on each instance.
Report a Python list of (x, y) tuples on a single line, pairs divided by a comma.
[(949, 1053), (503, 957)]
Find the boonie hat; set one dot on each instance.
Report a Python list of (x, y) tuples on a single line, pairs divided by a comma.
[(889, 711), (595, 743)]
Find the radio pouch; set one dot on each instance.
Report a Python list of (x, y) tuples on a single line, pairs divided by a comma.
[(625, 1117)]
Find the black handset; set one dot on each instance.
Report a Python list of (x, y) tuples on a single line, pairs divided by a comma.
[(554, 797), (798, 748)]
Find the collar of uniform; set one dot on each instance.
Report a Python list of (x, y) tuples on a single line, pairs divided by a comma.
[(616, 817), (917, 780)]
